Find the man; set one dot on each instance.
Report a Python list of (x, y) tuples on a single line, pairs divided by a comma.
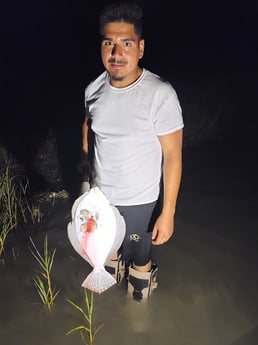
[(136, 119)]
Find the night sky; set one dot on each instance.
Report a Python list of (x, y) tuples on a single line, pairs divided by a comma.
[(50, 52)]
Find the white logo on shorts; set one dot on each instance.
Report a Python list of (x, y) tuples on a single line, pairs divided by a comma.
[(135, 237)]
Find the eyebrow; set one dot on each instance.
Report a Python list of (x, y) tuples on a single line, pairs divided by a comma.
[(123, 39)]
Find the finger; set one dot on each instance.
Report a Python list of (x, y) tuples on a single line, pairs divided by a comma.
[(159, 240), (154, 234)]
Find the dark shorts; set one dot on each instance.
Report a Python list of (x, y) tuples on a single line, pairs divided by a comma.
[(137, 244)]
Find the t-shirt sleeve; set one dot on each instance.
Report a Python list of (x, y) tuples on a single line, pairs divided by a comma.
[(168, 115), (86, 96)]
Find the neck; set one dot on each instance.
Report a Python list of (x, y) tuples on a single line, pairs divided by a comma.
[(126, 81)]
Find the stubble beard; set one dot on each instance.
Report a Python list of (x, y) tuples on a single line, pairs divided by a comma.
[(113, 76), (116, 78)]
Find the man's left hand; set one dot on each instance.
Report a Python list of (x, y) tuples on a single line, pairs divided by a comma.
[(163, 229)]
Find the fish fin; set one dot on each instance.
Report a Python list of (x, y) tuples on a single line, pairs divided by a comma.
[(99, 280)]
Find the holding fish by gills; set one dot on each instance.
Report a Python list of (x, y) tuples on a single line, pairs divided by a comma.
[(96, 232)]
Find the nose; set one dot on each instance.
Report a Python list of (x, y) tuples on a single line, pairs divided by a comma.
[(117, 50)]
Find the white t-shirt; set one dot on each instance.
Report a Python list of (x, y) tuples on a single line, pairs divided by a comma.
[(127, 122)]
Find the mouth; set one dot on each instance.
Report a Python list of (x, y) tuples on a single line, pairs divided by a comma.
[(117, 64)]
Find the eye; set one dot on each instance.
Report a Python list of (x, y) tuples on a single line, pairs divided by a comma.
[(127, 44), (107, 43)]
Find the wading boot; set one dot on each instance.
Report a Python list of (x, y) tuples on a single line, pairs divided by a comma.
[(116, 268), (142, 284)]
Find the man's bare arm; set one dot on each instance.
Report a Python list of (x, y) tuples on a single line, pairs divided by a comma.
[(85, 129), (172, 169)]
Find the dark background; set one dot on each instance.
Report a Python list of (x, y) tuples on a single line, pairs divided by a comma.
[(50, 52)]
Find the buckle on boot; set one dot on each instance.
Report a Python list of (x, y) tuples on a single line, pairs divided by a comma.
[(138, 286), (116, 268)]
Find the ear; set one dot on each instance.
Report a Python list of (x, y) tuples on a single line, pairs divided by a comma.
[(141, 46)]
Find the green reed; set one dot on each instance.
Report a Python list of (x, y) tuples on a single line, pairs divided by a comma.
[(87, 330), (43, 280), (14, 205), (9, 197), (5, 229)]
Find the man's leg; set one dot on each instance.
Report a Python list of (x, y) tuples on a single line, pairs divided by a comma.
[(145, 268), (116, 267), (137, 248), (141, 284)]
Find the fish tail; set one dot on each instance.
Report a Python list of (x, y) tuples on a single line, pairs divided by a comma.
[(98, 281)]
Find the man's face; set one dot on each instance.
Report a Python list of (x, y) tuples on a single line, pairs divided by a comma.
[(121, 50)]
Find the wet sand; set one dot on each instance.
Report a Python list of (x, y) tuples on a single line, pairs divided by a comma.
[(208, 281)]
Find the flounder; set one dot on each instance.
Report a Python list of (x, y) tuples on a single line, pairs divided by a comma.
[(96, 232)]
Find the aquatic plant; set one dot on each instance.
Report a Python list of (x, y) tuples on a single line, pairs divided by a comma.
[(14, 203), (35, 213), (10, 202), (87, 330), (9, 196), (43, 281), (5, 229)]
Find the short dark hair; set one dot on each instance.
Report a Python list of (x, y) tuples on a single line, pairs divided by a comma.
[(122, 12)]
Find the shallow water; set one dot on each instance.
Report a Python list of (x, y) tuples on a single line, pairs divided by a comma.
[(208, 282)]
